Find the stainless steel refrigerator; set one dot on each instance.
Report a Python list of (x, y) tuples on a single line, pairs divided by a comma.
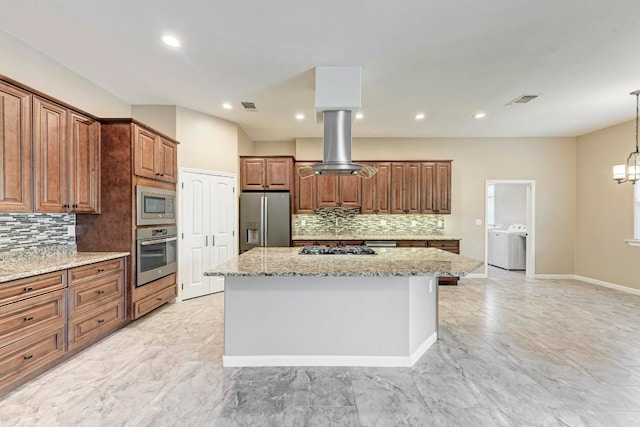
[(265, 219)]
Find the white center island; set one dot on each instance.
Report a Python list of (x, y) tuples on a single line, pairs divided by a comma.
[(287, 309)]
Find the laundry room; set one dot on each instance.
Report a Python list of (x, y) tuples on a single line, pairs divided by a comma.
[(508, 217)]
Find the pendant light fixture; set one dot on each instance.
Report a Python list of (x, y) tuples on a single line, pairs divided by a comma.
[(630, 172)]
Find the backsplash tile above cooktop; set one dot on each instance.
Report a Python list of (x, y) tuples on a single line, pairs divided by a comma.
[(349, 221)]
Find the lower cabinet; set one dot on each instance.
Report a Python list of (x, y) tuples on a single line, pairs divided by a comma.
[(152, 295), (46, 318)]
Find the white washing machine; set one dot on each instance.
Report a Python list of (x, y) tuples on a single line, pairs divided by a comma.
[(507, 248)]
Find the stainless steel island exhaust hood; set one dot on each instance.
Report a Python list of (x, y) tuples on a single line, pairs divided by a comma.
[(337, 94)]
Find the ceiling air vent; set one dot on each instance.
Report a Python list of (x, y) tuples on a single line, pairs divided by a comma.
[(249, 106), (523, 99)]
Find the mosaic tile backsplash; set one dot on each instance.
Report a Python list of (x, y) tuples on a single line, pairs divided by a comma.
[(21, 232), (350, 221)]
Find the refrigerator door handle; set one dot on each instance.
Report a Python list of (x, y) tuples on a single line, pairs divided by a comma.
[(265, 221), (262, 223)]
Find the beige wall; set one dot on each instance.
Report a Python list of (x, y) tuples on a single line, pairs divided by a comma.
[(26, 65), (548, 161), (605, 208), (275, 148), (245, 144), (160, 117), (206, 142)]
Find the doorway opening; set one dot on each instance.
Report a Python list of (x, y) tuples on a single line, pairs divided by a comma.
[(510, 227)]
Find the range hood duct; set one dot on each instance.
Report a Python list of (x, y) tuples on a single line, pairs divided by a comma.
[(336, 158)]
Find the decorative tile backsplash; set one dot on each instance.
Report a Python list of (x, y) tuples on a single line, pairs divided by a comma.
[(349, 221), (35, 231)]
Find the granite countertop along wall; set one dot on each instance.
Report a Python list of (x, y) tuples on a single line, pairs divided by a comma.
[(19, 267), (387, 262), (364, 236)]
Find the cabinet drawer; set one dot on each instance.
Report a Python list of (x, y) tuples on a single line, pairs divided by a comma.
[(26, 355), (446, 245), (154, 301), (300, 243), (91, 294), (26, 288), (86, 327), (411, 243), (25, 317), (94, 270)]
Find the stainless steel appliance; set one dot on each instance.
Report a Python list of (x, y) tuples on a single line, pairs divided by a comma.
[(265, 220), (155, 206), (156, 254)]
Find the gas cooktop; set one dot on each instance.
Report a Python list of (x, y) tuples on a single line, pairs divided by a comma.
[(332, 250)]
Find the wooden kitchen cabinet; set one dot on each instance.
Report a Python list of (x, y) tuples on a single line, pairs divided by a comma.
[(435, 184), (376, 191), (15, 149), (305, 190), (152, 295), (32, 325), (339, 191), (405, 187), (266, 173), (66, 159), (154, 156)]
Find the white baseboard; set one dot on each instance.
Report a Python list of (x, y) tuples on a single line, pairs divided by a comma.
[(554, 276), (303, 360), (608, 285)]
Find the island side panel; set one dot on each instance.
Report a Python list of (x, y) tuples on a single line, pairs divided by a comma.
[(322, 321), (423, 308)]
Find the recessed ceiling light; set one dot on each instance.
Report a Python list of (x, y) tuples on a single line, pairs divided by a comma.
[(299, 116), (419, 116), (479, 115), (359, 116), (227, 106), (170, 40)]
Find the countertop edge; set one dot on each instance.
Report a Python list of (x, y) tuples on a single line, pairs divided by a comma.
[(76, 259), (398, 237)]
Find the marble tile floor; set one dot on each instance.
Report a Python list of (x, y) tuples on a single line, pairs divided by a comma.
[(512, 352)]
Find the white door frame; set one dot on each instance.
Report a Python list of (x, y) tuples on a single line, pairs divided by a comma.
[(236, 218), (531, 222)]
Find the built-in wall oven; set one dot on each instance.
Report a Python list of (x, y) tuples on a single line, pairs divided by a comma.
[(156, 253), (155, 206)]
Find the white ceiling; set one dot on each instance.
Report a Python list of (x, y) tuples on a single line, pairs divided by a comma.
[(446, 58)]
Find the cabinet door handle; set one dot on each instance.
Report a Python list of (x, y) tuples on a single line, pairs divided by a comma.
[(75, 206), (27, 289), (101, 321), (157, 173), (28, 357), (100, 292), (28, 318), (206, 240), (159, 299), (213, 240)]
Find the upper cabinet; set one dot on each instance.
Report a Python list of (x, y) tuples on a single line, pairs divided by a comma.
[(155, 157), (436, 187), (305, 201), (342, 191), (405, 187), (66, 159), (15, 149), (376, 191), (421, 187), (266, 173)]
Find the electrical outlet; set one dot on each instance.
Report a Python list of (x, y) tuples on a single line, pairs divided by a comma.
[(440, 223), (71, 230), (478, 221), (303, 222), (414, 223), (383, 222)]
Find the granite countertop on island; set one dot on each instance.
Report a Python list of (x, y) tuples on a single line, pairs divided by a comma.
[(360, 236), (21, 267), (386, 262)]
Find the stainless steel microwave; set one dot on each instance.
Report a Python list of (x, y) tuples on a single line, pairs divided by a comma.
[(155, 206)]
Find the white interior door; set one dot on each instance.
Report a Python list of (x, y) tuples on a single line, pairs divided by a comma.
[(207, 223), (222, 207), (194, 219)]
